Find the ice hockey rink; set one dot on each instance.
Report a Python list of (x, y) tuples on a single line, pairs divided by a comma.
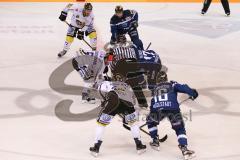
[(202, 51)]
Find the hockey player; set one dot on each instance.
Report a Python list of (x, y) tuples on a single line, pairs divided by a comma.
[(81, 23), (225, 5), (125, 22), (91, 65), (117, 98), (164, 104)]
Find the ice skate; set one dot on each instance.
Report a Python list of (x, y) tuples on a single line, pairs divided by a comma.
[(139, 146), (203, 13), (187, 154), (62, 53), (95, 149), (155, 144)]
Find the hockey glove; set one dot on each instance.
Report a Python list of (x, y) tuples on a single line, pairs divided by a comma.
[(63, 16), (80, 35), (105, 70), (84, 72), (106, 78), (195, 94), (135, 24)]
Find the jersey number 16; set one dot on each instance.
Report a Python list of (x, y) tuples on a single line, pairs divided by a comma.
[(161, 95)]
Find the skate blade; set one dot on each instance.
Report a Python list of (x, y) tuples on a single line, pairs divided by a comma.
[(155, 148), (94, 154), (187, 157), (89, 102), (92, 102), (139, 152)]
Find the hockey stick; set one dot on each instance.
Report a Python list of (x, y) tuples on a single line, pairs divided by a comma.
[(148, 45), (82, 39), (141, 127), (163, 139)]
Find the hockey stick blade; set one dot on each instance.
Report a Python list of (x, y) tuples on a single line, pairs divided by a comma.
[(126, 127), (163, 139)]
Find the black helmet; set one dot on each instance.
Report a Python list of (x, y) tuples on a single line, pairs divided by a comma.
[(118, 9), (121, 38), (161, 77), (88, 6)]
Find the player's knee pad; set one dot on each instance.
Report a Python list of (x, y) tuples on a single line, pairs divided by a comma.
[(69, 39), (104, 119), (92, 35), (75, 64), (131, 118), (178, 125)]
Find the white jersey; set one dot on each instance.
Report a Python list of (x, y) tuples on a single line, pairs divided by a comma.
[(122, 89), (78, 20), (94, 61)]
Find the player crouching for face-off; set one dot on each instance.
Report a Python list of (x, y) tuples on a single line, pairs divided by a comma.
[(164, 104), (118, 98), (81, 23), (92, 66)]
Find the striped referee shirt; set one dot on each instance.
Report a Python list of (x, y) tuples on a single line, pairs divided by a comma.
[(122, 53)]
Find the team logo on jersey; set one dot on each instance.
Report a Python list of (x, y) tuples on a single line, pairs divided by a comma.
[(128, 18), (105, 118), (78, 22)]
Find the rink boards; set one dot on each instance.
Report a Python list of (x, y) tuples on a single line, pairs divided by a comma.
[(175, 1)]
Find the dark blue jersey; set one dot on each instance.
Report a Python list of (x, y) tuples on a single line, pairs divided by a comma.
[(124, 24), (146, 56), (165, 95)]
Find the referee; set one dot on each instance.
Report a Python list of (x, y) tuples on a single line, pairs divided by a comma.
[(225, 4)]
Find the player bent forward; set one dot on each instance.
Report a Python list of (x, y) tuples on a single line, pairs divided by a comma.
[(117, 99), (164, 104), (91, 66)]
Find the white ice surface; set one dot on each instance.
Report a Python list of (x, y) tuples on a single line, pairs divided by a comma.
[(202, 51)]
